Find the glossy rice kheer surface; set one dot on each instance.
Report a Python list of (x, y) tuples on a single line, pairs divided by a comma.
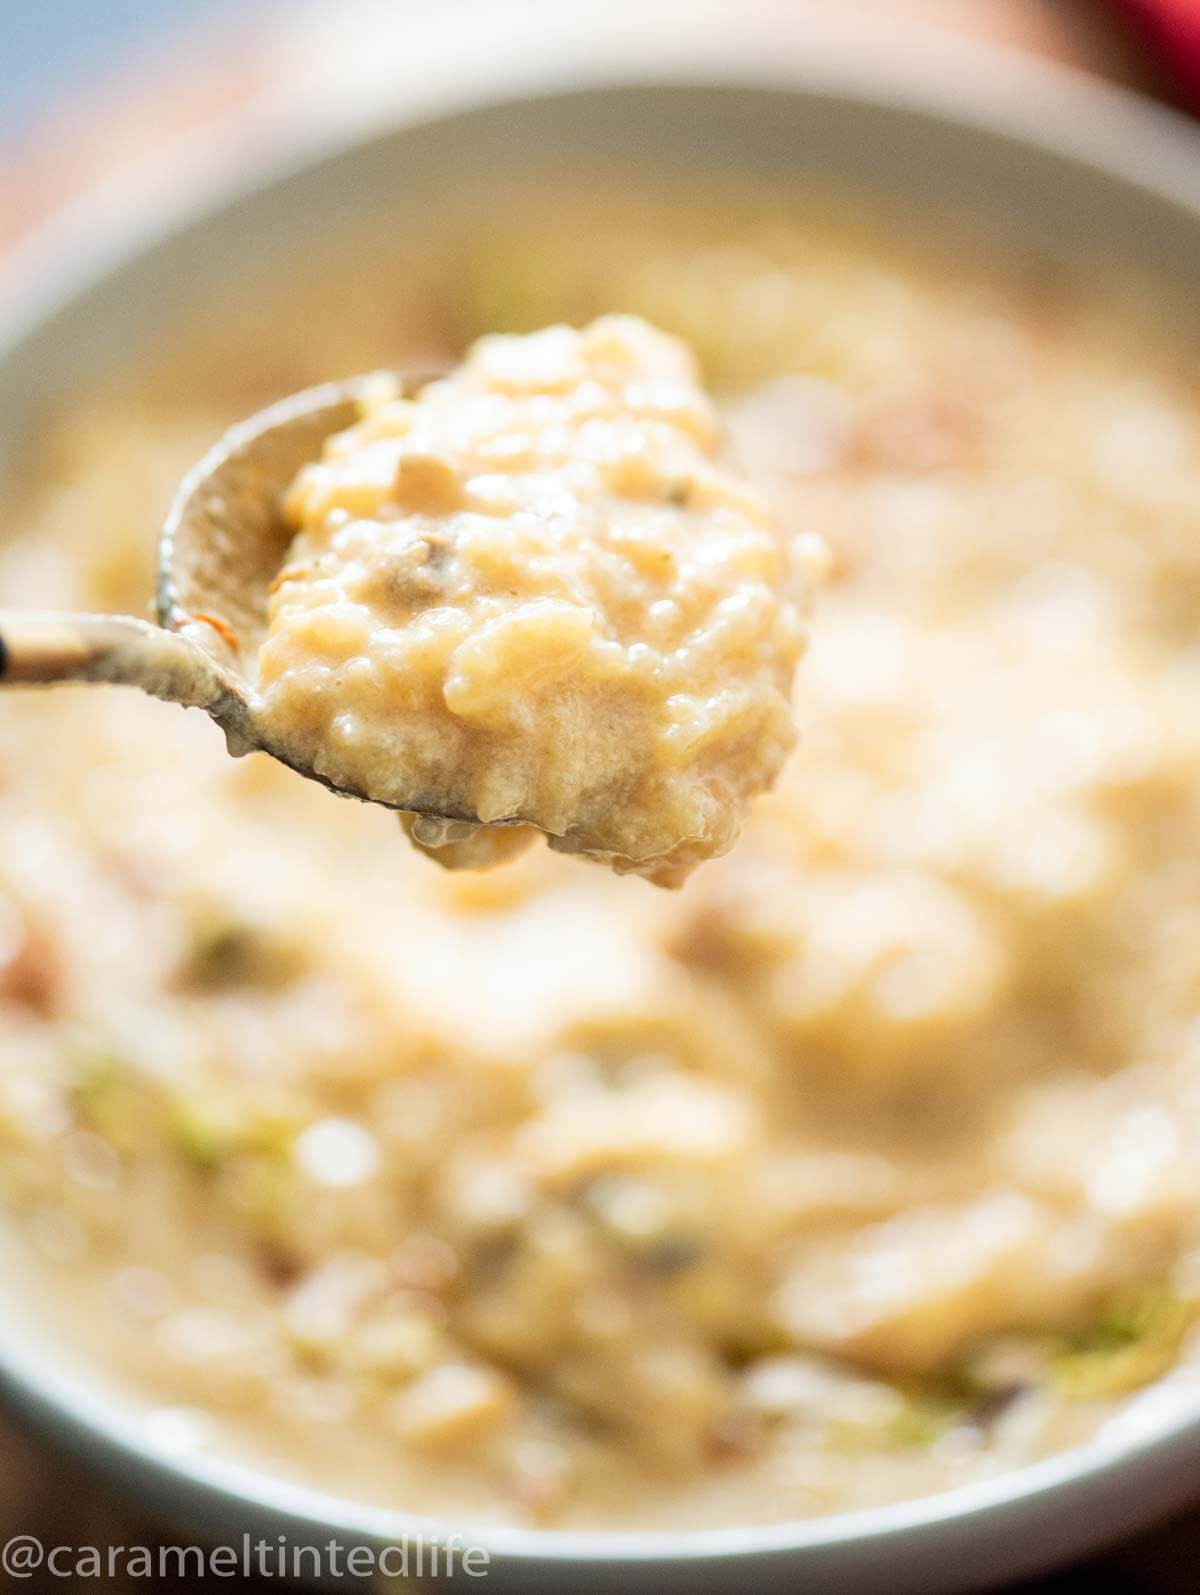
[(867, 1163), (533, 595)]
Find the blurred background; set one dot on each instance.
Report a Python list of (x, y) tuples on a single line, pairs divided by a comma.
[(48, 50), (93, 87)]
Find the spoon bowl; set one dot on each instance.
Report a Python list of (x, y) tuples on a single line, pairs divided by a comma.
[(219, 549), (223, 541), (224, 538)]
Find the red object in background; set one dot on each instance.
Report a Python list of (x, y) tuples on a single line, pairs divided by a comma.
[(1172, 29)]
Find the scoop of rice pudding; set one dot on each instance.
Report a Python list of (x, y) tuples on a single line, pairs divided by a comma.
[(536, 597)]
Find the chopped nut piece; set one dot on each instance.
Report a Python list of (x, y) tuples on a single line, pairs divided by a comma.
[(453, 1405)]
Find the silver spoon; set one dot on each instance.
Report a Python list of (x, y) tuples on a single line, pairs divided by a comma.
[(221, 544)]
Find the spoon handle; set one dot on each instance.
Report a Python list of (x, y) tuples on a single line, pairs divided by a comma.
[(41, 648)]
